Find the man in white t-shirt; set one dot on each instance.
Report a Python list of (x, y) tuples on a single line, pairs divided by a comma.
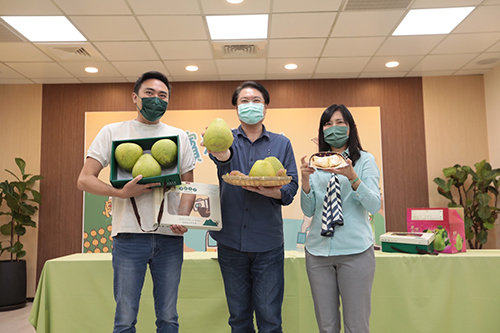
[(135, 242)]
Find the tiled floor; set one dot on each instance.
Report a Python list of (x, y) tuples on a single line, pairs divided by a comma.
[(16, 321)]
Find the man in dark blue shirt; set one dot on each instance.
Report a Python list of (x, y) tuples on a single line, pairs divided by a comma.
[(250, 244)]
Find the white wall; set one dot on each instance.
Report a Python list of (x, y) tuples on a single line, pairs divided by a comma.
[(492, 98), (20, 136)]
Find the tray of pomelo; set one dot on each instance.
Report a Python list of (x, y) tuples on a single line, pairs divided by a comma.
[(267, 172)]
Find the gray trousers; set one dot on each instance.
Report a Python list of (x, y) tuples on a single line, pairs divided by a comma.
[(349, 277)]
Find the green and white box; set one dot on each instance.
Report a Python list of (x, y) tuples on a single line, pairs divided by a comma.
[(407, 242), (170, 176)]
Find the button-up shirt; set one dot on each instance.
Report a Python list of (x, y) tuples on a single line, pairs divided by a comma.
[(252, 222), (355, 236)]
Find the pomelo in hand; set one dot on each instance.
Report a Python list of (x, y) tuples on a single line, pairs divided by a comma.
[(146, 166), (218, 136), (165, 152), (262, 168), (127, 154)]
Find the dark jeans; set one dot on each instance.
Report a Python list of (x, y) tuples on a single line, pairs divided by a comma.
[(253, 281), (131, 255)]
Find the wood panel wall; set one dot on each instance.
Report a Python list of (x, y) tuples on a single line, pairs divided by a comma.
[(62, 151)]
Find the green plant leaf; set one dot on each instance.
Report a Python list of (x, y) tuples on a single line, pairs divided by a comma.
[(21, 218), (21, 254), (36, 196), (20, 230), (493, 190), (21, 164), (13, 174), (488, 225), (449, 172), (483, 199), (21, 186), (462, 175), (18, 246), (6, 229), (468, 222), (445, 194), (33, 179), (30, 223), (475, 177), (482, 236), (440, 182), (469, 234), (484, 212)]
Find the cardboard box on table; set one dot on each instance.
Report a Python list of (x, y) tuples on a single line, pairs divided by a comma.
[(446, 223), (407, 242), (169, 176), (205, 213)]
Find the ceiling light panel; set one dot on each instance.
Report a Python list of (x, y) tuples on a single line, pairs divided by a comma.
[(432, 21), (237, 27), (289, 6), (45, 28), (221, 7)]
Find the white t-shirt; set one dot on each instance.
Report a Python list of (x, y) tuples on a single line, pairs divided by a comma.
[(124, 219)]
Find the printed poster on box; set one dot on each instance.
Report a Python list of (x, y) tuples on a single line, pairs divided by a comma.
[(205, 213), (446, 223)]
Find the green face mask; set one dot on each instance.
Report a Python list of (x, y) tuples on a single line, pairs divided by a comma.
[(336, 136), (153, 108)]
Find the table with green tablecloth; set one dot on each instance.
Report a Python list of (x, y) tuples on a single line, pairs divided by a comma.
[(411, 293)]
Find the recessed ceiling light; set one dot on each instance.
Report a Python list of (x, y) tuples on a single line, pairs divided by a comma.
[(45, 28), (238, 26), (291, 66), (487, 61), (432, 21), (91, 70), (235, 1), (392, 64), (191, 68)]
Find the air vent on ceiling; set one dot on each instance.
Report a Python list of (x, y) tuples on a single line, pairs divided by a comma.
[(70, 51), (355, 5), (6, 35), (224, 50)]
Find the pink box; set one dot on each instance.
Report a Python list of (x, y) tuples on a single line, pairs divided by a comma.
[(447, 223)]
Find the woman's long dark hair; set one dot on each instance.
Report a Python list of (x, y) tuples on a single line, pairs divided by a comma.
[(354, 144)]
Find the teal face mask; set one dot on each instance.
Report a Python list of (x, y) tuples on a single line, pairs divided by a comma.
[(153, 108), (336, 136), (251, 113)]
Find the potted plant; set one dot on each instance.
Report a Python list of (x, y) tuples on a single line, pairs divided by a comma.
[(21, 200), (477, 193)]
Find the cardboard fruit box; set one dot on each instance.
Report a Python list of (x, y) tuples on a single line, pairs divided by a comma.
[(407, 242), (169, 176), (204, 214), (446, 223)]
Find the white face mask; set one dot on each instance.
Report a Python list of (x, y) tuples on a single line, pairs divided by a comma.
[(251, 113)]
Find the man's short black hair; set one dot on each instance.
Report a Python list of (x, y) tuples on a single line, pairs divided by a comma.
[(151, 75), (250, 84)]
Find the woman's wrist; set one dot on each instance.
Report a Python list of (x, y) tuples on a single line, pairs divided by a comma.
[(354, 180)]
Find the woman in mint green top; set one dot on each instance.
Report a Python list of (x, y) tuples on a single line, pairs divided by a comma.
[(341, 263)]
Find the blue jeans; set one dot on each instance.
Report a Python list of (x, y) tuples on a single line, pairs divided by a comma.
[(253, 281), (131, 255)]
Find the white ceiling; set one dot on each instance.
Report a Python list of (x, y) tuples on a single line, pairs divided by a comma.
[(325, 38)]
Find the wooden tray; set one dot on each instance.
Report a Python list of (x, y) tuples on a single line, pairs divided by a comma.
[(256, 181)]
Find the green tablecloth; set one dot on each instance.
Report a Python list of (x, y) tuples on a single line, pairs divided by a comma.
[(411, 293)]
